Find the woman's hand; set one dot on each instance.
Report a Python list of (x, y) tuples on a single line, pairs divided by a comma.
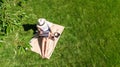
[(51, 36), (41, 32)]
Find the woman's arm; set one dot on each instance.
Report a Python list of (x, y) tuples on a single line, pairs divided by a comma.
[(39, 30)]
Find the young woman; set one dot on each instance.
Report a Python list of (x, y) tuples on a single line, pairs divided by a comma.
[(45, 32)]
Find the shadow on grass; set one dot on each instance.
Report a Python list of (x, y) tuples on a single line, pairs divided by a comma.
[(28, 27)]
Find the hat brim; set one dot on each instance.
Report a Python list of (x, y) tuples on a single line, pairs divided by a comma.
[(44, 26)]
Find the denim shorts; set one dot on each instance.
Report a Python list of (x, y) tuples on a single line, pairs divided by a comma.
[(45, 33)]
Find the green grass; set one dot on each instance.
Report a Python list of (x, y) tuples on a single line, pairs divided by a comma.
[(91, 37)]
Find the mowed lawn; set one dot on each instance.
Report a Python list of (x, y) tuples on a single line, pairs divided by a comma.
[(91, 37)]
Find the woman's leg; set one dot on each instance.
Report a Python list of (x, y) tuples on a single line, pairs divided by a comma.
[(43, 46), (47, 48)]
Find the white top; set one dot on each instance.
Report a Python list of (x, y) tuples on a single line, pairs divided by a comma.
[(46, 26)]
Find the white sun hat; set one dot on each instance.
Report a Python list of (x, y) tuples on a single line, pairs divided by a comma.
[(42, 24), (41, 21)]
